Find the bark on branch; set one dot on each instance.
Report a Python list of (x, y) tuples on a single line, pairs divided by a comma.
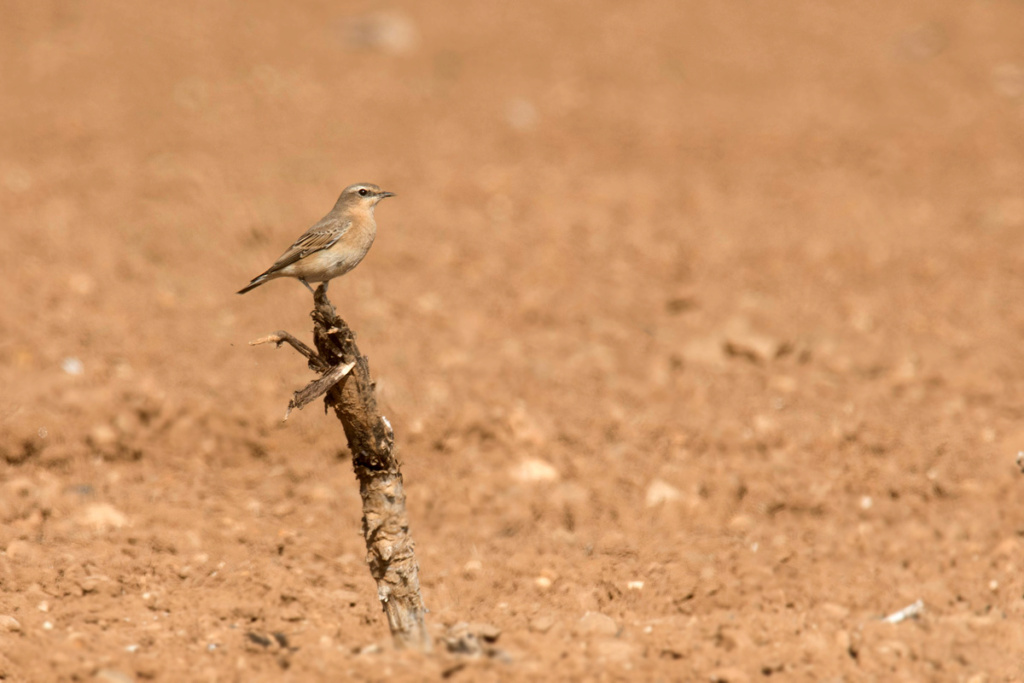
[(350, 392)]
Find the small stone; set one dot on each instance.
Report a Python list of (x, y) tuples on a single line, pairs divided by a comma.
[(127, 422), (9, 623), (72, 366), (387, 31), (612, 650), (681, 304), (734, 638), (741, 523), (783, 384), (706, 351), (1008, 548), (615, 543), (741, 342), (659, 492), (596, 624), (535, 470), (293, 612), (282, 509), (894, 649), (102, 516), (463, 638), (19, 549), (113, 676), (322, 493), (102, 435), (81, 283), (834, 611), (765, 425), (89, 584), (542, 624), (487, 632), (542, 582)]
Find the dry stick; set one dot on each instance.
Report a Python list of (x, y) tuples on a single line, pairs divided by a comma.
[(350, 391), (318, 387), (280, 337)]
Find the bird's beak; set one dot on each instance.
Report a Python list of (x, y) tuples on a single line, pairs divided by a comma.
[(385, 195)]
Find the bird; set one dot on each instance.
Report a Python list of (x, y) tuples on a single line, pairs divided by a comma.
[(335, 245)]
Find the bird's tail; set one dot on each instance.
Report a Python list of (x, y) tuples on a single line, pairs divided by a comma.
[(256, 282)]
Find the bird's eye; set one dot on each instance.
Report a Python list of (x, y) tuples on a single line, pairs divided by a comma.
[(363, 192)]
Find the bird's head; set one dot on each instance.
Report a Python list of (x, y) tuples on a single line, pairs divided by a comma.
[(362, 195)]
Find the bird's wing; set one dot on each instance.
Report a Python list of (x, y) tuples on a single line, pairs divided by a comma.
[(320, 236)]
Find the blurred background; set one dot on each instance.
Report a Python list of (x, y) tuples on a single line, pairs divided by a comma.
[(700, 317)]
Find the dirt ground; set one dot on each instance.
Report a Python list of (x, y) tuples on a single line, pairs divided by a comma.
[(699, 324)]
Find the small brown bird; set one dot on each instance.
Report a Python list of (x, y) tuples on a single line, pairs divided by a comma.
[(333, 246)]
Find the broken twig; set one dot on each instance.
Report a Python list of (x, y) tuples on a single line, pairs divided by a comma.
[(281, 337), (318, 387)]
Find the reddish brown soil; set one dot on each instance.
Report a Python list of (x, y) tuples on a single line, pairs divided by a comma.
[(700, 326)]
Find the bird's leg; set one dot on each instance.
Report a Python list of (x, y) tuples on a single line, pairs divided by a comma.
[(326, 282), (307, 285)]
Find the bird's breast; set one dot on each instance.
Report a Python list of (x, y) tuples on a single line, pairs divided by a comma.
[(344, 255)]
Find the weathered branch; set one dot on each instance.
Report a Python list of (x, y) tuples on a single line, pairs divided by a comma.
[(350, 391), (318, 387)]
